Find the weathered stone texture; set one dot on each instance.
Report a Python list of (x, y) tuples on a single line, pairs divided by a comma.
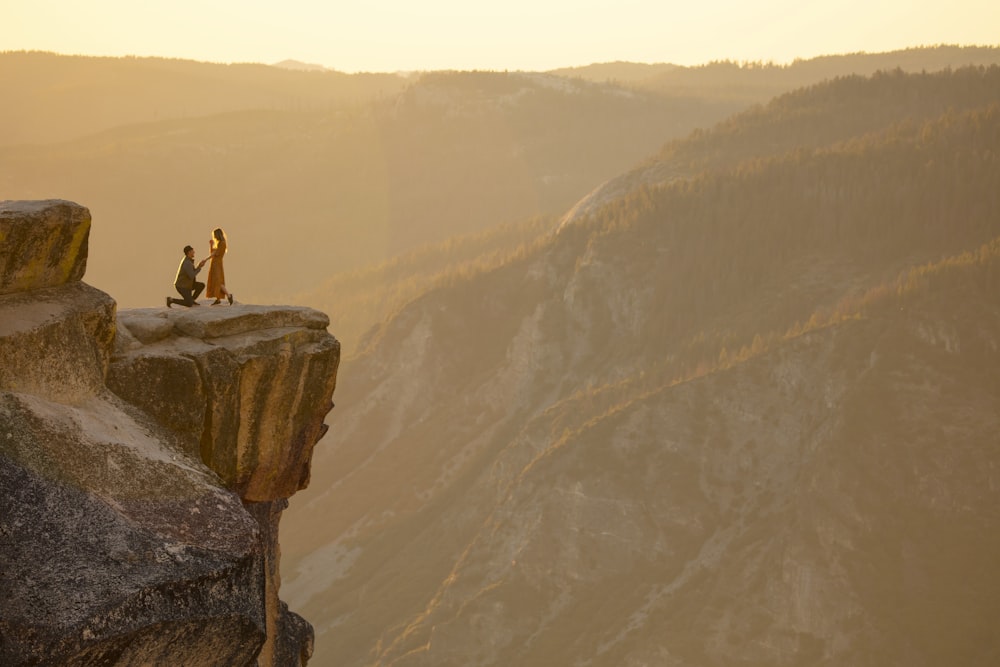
[(42, 244), (125, 535), (117, 548), (253, 397), (56, 342), (290, 639), (246, 389)]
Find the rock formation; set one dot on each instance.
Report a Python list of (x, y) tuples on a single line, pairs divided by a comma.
[(145, 460)]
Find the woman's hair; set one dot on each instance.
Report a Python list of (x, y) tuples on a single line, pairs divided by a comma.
[(220, 235)]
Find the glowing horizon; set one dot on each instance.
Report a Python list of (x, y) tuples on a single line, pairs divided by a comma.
[(518, 35)]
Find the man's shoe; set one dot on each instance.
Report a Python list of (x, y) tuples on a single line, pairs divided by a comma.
[(230, 297), (168, 302)]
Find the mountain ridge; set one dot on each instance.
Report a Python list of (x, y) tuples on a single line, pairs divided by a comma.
[(379, 164)]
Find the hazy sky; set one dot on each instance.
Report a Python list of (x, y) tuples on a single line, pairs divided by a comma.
[(392, 35)]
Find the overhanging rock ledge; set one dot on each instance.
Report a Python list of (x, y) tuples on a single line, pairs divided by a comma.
[(145, 459)]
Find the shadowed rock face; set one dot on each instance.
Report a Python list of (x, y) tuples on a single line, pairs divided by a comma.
[(250, 385), (247, 388), (140, 525)]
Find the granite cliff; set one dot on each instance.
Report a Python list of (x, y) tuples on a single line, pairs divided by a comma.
[(145, 460)]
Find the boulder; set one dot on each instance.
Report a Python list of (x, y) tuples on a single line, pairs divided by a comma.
[(42, 244), (56, 342)]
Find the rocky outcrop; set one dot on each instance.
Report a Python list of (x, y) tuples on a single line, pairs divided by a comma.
[(145, 459), (248, 385), (42, 244), (117, 547)]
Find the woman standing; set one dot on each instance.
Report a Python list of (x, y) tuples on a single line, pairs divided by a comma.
[(216, 273)]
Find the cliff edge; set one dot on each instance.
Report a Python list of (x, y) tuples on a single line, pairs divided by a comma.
[(145, 459)]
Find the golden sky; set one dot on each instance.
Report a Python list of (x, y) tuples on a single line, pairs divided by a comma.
[(402, 35)]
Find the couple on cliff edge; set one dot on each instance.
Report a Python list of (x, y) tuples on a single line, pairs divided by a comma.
[(185, 282)]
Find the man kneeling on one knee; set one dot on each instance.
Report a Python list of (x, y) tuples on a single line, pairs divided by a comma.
[(185, 282)]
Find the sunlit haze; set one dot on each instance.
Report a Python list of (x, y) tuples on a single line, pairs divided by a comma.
[(516, 35), (608, 334)]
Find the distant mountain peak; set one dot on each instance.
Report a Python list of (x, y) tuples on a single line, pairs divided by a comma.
[(301, 66)]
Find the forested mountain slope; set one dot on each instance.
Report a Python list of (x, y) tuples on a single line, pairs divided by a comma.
[(843, 109), (757, 82), (747, 416), (721, 74), (359, 301)]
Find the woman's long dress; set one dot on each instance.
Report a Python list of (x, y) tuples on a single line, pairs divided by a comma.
[(217, 274)]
